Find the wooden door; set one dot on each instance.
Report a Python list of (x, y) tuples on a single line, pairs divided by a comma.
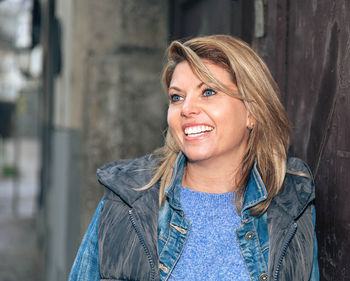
[(306, 44)]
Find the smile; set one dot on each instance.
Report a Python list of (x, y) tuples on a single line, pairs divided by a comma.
[(196, 131)]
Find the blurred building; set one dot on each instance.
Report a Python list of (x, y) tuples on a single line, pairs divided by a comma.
[(20, 88), (16, 72), (102, 99)]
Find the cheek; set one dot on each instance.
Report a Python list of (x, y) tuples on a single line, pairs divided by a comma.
[(171, 122), (233, 117), (171, 119), (174, 125)]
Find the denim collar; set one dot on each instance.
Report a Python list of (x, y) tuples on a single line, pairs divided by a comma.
[(254, 194), (256, 191), (174, 189)]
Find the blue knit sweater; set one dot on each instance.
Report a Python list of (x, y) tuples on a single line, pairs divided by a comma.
[(211, 251)]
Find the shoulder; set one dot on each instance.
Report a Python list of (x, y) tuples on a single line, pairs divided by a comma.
[(126, 212), (297, 165), (290, 217), (134, 172), (298, 189), (127, 165), (299, 180), (122, 178)]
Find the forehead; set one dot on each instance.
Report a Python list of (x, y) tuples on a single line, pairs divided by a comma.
[(183, 73)]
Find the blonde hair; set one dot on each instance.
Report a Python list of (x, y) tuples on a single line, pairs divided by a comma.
[(269, 139)]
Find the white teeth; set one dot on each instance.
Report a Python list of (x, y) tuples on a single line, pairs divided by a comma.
[(195, 135), (197, 130)]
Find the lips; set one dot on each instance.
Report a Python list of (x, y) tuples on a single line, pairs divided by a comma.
[(197, 130)]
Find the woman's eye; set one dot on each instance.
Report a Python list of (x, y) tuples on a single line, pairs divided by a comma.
[(175, 98), (209, 92)]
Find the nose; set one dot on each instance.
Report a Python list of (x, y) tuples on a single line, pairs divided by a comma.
[(190, 106)]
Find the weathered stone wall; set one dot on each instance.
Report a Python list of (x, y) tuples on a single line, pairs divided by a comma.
[(118, 58)]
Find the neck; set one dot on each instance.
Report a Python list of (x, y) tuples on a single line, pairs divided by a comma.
[(212, 177)]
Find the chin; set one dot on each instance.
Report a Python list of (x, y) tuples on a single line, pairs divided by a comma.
[(196, 156)]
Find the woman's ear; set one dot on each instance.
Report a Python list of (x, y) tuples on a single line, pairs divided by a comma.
[(250, 121)]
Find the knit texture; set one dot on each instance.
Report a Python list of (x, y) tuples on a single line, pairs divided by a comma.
[(211, 251)]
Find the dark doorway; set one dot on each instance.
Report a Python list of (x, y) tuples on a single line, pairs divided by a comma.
[(189, 18)]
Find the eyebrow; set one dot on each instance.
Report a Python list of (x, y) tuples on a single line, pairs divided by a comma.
[(178, 89)]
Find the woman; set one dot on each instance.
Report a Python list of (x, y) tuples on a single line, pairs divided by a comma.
[(171, 215)]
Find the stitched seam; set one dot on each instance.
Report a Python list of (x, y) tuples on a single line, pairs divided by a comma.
[(181, 250), (167, 242), (256, 180), (171, 191), (240, 248), (161, 238), (252, 203), (162, 267), (179, 229), (265, 247), (258, 242), (260, 190)]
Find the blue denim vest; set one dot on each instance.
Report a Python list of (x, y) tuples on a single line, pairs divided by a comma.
[(252, 235)]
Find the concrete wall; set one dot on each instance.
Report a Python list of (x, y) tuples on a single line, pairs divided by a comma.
[(63, 203), (62, 192), (118, 57), (107, 104)]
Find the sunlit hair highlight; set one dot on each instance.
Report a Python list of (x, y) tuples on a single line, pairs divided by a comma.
[(269, 139)]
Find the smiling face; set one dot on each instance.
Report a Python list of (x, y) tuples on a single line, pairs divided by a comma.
[(207, 125)]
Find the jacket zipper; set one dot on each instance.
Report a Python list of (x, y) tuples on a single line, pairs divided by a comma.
[(142, 241), (290, 234)]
